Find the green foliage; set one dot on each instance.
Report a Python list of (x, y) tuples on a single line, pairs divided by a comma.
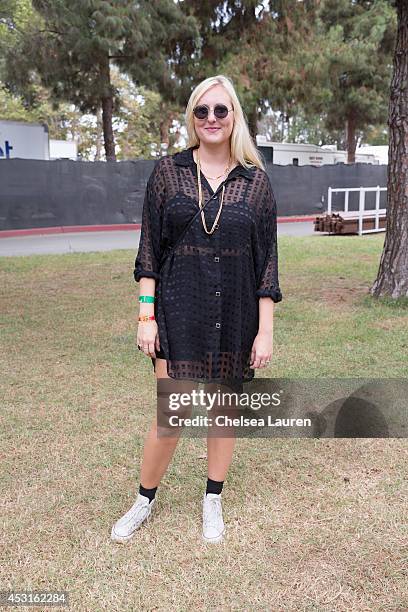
[(327, 60), (360, 40), (14, 16), (72, 45), (12, 107), (136, 126), (317, 65)]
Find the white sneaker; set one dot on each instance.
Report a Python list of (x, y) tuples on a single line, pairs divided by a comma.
[(213, 524), (126, 526)]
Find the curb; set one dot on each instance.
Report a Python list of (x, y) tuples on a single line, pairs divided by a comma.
[(67, 229), (295, 219)]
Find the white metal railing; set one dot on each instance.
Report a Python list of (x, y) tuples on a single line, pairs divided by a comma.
[(377, 212)]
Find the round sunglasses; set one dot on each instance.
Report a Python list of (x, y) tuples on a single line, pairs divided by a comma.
[(220, 111)]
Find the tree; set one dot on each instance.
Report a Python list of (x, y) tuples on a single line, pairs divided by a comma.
[(14, 15), (138, 124), (328, 60), (358, 38), (392, 277), (73, 47), (226, 31)]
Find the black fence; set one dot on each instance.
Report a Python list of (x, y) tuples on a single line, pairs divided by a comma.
[(35, 193)]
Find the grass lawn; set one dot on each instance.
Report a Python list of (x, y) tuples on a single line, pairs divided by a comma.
[(311, 524)]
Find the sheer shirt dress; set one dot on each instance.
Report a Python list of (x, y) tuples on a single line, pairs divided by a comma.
[(207, 298)]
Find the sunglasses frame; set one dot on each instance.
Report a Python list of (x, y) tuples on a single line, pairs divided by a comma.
[(213, 108)]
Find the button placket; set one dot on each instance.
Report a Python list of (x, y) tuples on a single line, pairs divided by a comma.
[(217, 303)]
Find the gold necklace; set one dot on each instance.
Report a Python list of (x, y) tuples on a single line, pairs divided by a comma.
[(215, 178), (200, 200)]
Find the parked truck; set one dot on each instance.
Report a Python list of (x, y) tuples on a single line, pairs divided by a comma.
[(304, 154), (22, 140)]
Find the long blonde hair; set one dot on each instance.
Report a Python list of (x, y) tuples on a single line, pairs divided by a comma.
[(242, 146)]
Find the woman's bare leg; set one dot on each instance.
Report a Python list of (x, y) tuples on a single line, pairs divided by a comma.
[(219, 450), (157, 451)]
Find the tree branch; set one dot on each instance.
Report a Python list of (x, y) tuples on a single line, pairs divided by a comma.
[(51, 32)]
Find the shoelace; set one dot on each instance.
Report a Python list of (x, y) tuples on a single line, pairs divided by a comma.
[(211, 518), (134, 513)]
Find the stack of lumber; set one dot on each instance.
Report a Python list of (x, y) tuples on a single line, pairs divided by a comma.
[(347, 222)]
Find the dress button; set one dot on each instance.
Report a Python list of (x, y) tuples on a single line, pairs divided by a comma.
[(217, 293), (217, 226), (216, 259), (218, 325)]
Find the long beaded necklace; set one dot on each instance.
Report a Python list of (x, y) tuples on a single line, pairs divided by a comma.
[(200, 196)]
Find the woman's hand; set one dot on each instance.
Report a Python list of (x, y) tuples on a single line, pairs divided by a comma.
[(148, 337), (262, 349)]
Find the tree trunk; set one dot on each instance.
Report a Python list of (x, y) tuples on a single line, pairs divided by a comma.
[(99, 134), (164, 132), (107, 107), (252, 117), (392, 278), (351, 139), (107, 112), (165, 125)]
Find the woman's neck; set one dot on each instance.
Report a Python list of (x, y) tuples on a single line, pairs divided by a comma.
[(214, 155)]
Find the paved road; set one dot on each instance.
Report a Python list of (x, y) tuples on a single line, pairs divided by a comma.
[(81, 242)]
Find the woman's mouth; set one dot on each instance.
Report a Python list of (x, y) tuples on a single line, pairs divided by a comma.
[(214, 129)]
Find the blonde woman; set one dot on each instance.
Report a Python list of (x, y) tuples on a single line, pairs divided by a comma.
[(208, 279)]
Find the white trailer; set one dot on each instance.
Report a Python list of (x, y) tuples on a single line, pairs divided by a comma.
[(302, 154), (22, 140), (63, 149)]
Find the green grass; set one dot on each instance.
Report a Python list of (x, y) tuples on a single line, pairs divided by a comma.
[(311, 524)]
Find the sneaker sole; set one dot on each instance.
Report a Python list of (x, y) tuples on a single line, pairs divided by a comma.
[(121, 539), (214, 540)]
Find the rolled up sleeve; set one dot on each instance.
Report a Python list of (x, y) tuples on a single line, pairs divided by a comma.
[(268, 285), (148, 257)]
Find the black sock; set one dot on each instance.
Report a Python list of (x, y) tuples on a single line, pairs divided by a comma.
[(150, 493), (214, 486)]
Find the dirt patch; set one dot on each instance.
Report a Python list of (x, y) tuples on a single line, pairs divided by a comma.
[(389, 324), (341, 295)]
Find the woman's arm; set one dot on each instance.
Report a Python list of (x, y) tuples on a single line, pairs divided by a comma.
[(266, 308), (268, 290), (262, 348), (147, 331), (147, 262), (147, 286), (268, 285)]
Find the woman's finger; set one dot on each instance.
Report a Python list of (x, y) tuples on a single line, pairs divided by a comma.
[(256, 362)]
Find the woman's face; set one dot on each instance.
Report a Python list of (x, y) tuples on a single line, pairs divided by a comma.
[(212, 130)]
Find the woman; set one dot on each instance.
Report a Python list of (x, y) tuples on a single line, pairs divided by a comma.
[(208, 280)]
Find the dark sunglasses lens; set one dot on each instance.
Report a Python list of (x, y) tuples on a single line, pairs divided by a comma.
[(220, 111), (201, 112)]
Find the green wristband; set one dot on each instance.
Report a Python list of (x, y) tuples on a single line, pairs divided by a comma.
[(147, 298)]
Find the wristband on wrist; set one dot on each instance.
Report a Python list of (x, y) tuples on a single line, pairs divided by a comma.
[(147, 298), (146, 318)]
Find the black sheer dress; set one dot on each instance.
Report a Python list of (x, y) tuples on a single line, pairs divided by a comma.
[(206, 304)]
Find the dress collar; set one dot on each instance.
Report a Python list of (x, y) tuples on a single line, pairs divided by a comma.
[(185, 158)]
